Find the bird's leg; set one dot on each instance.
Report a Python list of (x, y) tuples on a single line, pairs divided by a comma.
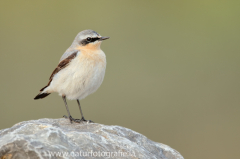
[(69, 115), (82, 119), (80, 109)]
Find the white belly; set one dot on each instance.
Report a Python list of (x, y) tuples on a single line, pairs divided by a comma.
[(80, 78)]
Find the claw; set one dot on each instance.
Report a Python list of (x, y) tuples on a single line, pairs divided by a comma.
[(77, 120), (84, 120)]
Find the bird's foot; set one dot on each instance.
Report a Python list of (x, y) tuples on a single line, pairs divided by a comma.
[(84, 120), (72, 119), (77, 120)]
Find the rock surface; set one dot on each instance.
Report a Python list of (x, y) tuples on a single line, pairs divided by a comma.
[(57, 138)]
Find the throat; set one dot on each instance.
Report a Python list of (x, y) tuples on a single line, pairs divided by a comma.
[(91, 47)]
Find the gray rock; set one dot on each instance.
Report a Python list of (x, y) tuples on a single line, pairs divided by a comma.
[(57, 138)]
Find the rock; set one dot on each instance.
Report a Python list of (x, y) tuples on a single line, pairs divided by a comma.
[(57, 138)]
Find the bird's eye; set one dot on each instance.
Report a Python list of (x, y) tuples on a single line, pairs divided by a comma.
[(89, 39)]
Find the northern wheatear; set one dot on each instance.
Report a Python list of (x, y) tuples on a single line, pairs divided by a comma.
[(80, 71)]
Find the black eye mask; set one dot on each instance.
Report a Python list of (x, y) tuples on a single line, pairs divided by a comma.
[(89, 40)]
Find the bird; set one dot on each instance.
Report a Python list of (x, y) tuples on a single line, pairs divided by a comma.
[(80, 71)]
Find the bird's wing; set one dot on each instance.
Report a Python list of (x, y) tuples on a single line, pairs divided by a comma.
[(64, 63), (68, 53)]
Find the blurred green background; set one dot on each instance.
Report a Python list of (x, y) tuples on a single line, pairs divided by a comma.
[(172, 68)]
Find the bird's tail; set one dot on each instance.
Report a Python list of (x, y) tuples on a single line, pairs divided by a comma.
[(42, 94)]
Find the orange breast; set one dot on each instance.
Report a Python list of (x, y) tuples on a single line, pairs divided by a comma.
[(92, 52)]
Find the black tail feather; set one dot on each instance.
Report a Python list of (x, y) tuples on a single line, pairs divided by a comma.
[(41, 95)]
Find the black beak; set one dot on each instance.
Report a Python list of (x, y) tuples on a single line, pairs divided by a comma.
[(104, 38)]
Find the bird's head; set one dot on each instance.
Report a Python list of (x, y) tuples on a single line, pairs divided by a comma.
[(88, 39)]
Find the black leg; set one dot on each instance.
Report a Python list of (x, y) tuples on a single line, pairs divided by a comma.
[(80, 108), (82, 119), (69, 115), (65, 102)]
